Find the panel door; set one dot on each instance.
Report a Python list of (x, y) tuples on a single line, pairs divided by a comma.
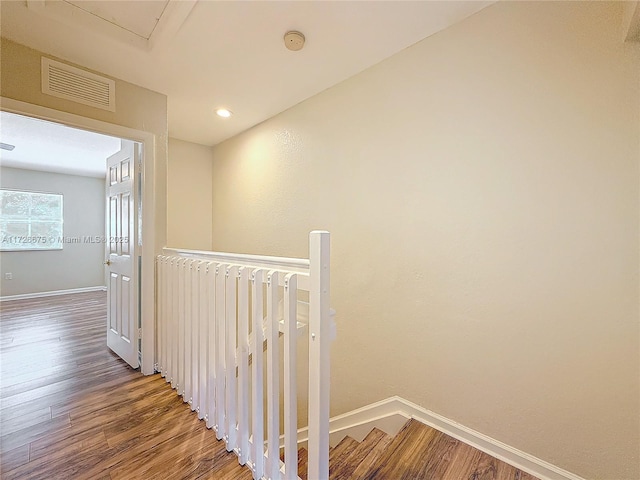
[(122, 268)]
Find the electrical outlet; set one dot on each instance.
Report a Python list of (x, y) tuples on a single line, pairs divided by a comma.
[(8, 276)]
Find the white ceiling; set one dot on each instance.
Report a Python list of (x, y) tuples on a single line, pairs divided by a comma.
[(52, 147), (227, 53), (139, 18)]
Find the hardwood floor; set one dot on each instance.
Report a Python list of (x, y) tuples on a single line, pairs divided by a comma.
[(417, 452), (71, 409)]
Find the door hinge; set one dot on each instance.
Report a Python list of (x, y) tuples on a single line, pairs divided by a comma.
[(139, 333)]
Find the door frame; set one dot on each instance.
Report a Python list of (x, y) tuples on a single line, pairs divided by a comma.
[(148, 187)]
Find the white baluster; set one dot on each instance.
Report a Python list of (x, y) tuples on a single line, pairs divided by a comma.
[(212, 365), (319, 340), (185, 329), (273, 378), (220, 354), (188, 292), (171, 315), (290, 372), (203, 372), (257, 381), (160, 312), (243, 365), (195, 332), (175, 321), (166, 303), (230, 371)]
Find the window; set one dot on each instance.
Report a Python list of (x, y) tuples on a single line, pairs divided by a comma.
[(30, 220)]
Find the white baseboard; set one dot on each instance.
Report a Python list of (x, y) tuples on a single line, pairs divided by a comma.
[(391, 414), (53, 293)]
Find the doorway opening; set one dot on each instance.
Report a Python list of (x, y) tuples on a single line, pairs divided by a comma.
[(71, 220)]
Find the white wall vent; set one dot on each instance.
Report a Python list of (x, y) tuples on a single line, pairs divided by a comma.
[(71, 83)]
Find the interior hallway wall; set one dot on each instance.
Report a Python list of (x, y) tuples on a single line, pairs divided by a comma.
[(481, 188), (189, 187)]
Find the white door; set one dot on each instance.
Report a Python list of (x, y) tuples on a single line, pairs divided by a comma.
[(121, 252)]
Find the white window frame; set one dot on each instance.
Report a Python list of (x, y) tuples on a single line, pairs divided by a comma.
[(31, 242)]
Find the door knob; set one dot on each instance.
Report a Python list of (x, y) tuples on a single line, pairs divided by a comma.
[(108, 262)]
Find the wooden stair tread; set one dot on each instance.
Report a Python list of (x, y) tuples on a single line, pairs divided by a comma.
[(421, 452), (345, 469), (375, 435), (302, 463), (372, 457), (341, 455), (345, 447), (404, 456)]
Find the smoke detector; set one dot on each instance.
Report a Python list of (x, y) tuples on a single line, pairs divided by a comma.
[(294, 40)]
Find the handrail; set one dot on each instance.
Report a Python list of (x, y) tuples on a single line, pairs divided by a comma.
[(298, 265), (208, 301)]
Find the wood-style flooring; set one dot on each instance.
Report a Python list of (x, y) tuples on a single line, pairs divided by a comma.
[(71, 409), (417, 452)]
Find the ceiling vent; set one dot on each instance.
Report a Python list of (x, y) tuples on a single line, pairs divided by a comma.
[(71, 83)]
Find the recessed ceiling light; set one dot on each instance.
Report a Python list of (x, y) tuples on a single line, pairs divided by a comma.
[(223, 112), (6, 146)]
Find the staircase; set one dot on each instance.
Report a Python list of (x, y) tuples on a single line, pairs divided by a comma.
[(416, 452)]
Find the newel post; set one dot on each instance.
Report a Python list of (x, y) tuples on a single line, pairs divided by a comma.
[(319, 362)]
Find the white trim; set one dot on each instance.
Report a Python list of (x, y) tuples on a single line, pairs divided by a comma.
[(298, 265), (383, 415), (174, 15), (53, 293), (148, 251), (390, 414), (170, 21), (283, 264)]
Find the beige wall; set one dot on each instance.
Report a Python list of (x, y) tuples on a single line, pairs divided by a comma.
[(481, 188), (77, 265), (189, 207)]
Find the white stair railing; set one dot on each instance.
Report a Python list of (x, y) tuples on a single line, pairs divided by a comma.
[(219, 323)]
